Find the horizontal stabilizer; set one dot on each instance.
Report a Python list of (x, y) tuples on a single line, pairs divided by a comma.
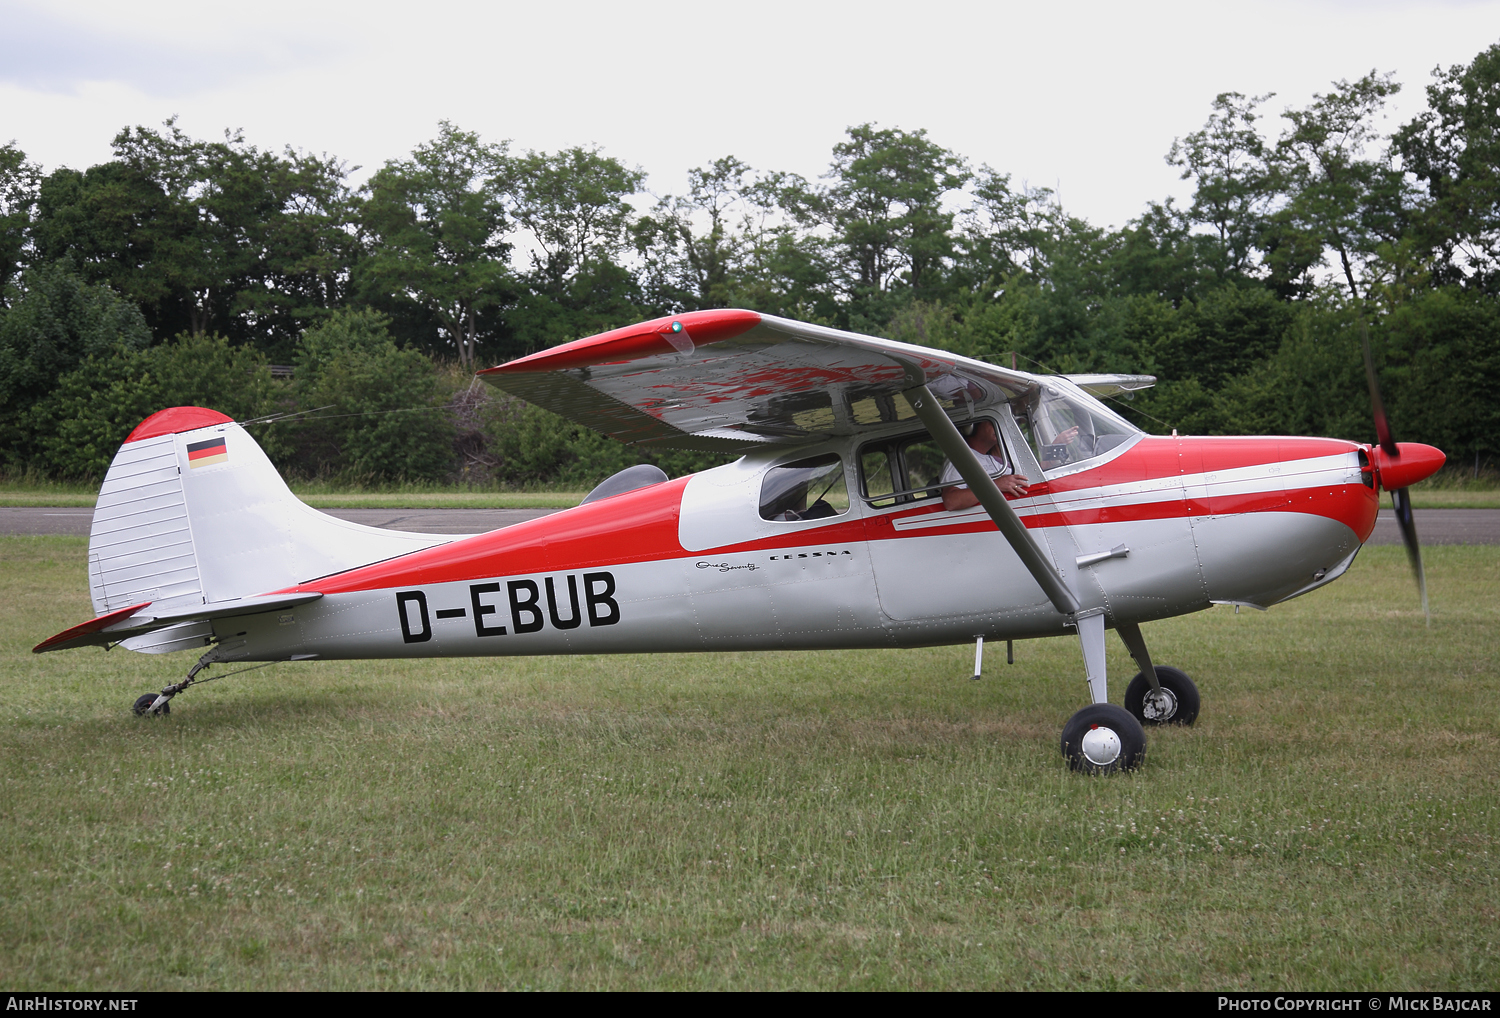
[(133, 621), (85, 633)]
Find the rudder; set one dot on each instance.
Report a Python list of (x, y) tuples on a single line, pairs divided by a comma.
[(192, 511)]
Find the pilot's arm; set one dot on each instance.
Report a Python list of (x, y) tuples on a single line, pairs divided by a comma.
[(957, 497)]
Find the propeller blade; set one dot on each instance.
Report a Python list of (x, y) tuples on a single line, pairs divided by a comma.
[(1401, 502), (1400, 497), (1382, 424)]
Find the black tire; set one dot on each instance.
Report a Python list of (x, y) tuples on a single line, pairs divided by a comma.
[(1183, 701), (1126, 753), (143, 703)]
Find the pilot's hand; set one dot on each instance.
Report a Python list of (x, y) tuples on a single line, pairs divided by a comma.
[(1067, 437), (1013, 485)]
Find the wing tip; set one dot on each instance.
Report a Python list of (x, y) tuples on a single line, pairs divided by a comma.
[(657, 336)]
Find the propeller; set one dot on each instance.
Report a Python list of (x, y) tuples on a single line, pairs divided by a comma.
[(1400, 497)]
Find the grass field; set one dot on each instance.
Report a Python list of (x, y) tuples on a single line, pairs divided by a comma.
[(818, 820)]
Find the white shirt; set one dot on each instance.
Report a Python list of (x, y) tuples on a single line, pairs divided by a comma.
[(992, 466)]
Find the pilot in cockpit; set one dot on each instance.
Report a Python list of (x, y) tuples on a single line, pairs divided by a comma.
[(983, 439)]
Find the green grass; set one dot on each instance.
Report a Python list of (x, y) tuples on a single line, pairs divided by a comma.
[(33, 490), (828, 820), (1449, 499), (1456, 487)]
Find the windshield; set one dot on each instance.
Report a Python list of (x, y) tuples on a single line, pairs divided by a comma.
[(1065, 426)]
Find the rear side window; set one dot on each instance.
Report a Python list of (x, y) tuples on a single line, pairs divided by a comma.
[(902, 470), (877, 468), (809, 489), (924, 463)]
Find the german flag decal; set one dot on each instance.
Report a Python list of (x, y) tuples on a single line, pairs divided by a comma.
[(203, 454)]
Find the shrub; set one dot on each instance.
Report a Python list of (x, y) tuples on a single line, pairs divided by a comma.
[(379, 416), (54, 322), (534, 447)]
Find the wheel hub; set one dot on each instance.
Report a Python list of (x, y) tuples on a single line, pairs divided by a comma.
[(1101, 746), (1159, 704)]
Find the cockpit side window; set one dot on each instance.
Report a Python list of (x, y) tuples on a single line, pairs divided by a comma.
[(902, 470), (807, 489)]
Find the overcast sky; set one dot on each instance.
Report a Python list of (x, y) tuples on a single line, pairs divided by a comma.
[(1083, 97)]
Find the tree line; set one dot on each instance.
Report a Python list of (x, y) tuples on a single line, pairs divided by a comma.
[(184, 270)]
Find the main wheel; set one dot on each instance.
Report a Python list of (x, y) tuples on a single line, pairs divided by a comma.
[(1176, 704), (143, 704), (1103, 739)]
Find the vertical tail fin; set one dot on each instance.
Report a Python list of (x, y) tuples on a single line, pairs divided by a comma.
[(192, 512)]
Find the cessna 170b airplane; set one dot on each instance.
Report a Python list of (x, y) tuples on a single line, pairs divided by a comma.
[(829, 531)]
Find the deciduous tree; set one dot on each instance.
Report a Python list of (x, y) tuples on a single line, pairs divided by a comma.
[(573, 208), (19, 181), (1235, 177), (434, 227), (883, 209), (1345, 200), (79, 427), (205, 235), (1453, 148)]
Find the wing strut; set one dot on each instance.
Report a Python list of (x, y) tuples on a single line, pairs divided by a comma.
[(974, 475)]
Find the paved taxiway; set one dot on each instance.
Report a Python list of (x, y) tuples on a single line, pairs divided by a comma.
[(1434, 526)]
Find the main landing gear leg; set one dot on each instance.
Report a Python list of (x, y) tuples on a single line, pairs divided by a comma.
[(1157, 696), (1091, 636), (1130, 635), (1101, 738), (158, 703)]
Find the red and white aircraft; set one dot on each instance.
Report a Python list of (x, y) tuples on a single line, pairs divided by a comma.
[(828, 532)]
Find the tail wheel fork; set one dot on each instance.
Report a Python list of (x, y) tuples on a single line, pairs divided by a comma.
[(151, 704)]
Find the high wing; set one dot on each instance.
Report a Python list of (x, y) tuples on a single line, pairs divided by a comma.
[(721, 380)]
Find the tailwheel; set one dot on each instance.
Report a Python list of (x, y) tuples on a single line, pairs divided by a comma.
[(1176, 703), (1103, 739), (142, 706)]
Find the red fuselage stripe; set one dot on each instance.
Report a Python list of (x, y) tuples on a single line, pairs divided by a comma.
[(642, 526)]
